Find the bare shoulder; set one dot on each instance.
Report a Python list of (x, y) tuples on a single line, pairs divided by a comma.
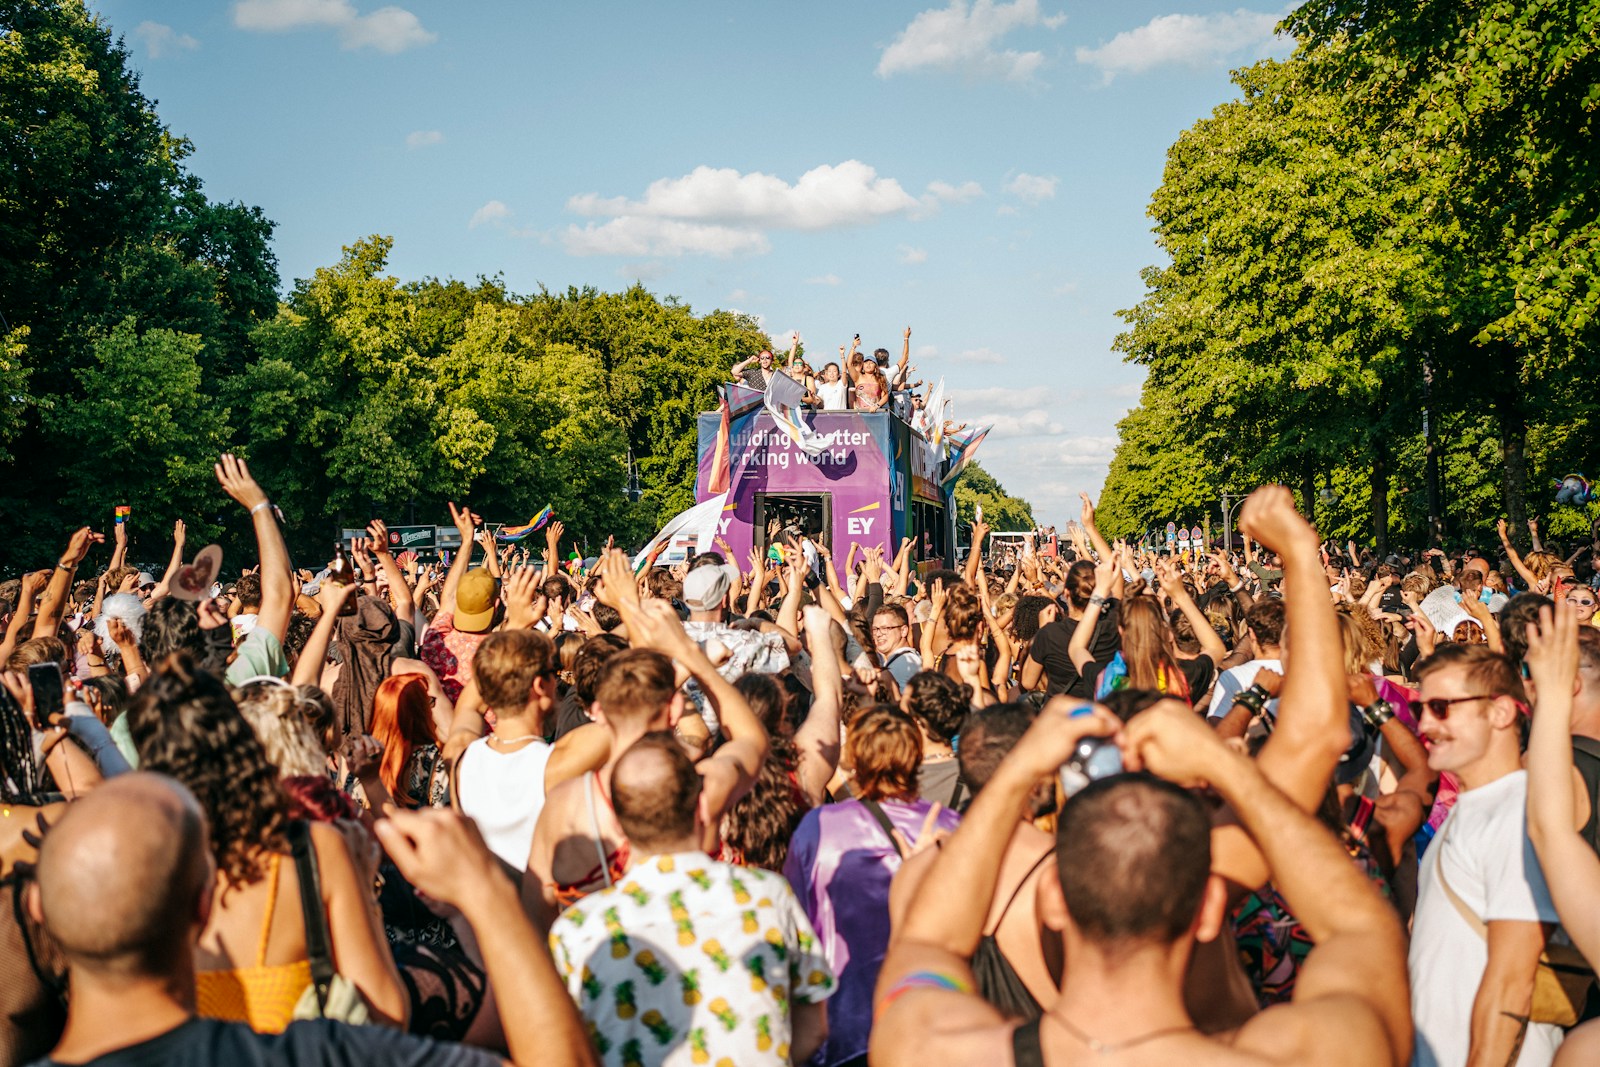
[(1330, 1031)]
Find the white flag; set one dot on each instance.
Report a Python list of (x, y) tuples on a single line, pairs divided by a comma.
[(690, 531), (784, 400)]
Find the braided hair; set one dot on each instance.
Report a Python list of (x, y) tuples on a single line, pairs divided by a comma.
[(20, 780)]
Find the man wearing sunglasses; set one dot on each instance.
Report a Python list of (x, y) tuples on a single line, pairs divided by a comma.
[(1483, 910)]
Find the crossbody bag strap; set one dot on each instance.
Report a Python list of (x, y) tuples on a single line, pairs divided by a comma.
[(877, 813), (319, 945), (1479, 927)]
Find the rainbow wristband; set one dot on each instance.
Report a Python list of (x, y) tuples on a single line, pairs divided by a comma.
[(921, 980)]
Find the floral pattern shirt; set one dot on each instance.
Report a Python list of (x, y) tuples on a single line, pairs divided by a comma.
[(690, 961)]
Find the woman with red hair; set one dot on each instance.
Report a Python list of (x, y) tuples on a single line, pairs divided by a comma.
[(402, 721)]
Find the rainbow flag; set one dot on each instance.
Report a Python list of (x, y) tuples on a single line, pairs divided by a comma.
[(721, 457), (966, 444), (535, 524)]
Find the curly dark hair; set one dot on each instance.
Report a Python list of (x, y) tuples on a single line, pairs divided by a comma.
[(185, 724), (938, 703), (1025, 620), (764, 820)]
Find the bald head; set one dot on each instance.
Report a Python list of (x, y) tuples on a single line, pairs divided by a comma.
[(1478, 564), (656, 793), (125, 876)]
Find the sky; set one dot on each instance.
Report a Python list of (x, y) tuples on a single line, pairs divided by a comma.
[(977, 170)]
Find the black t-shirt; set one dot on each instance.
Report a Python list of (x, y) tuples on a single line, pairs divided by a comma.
[(203, 1042), (570, 714), (1199, 673), (1049, 650)]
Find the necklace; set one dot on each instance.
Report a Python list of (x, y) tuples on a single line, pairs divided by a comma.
[(501, 741), (1106, 1048)]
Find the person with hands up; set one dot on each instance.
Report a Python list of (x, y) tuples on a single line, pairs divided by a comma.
[(1560, 667), (1128, 937)]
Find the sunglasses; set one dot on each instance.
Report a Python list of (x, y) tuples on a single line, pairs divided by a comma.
[(1440, 706), (1582, 602)]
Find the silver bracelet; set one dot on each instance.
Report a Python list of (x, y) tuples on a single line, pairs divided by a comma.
[(1096, 600), (264, 504)]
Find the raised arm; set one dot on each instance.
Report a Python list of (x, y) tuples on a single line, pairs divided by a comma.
[(464, 521), (1078, 648), (277, 582), (1357, 971), (22, 613), (817, 740), (1313, 726), (1570, 866), (1100, 544), (1528, 580), (54, 604), (1211, 645), (331, 597), (180, 534), (399, 592), (980, 530)]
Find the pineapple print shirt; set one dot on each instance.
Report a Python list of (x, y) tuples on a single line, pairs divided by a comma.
[(690, 961)]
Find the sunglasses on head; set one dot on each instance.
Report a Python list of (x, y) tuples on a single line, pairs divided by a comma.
[(1440, 706)]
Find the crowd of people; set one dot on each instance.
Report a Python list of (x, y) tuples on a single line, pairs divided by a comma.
[(1295, 804), (854, 382)]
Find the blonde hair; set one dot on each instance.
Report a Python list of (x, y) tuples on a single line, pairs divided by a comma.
[(271, 707)]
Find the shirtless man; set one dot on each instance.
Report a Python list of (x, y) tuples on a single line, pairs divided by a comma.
[(1130, 904), (578, 845)]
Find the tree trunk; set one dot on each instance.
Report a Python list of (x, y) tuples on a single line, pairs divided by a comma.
[(1380, 498), (1514, 463), (1308, 495)]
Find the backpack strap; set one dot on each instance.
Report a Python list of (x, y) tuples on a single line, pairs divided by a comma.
[(319, 945), (876, 811)]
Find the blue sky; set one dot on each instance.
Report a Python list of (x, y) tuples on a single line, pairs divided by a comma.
[(976, 170)]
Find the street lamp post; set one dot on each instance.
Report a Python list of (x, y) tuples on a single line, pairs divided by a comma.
[(630, 487), (1227, 517)]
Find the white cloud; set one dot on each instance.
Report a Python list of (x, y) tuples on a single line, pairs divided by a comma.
[(945, 193), (913, 255), (966, 40), (633, 235), (1065, 289), (161, 41), (423, 138), (723, 212), (388, 29), (926, 352), (1086, 451), (1189, 40), (1033, 188), (987, 356), (825, 279), (648, 271), (738, 294), (491, 214)]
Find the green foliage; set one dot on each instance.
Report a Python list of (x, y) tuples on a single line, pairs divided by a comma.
[(1415, 187), (1001, 510)]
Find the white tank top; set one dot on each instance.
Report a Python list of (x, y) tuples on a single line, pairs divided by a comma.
[(503, 792)]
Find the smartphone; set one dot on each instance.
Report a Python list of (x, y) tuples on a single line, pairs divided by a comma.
[(48, 692), (1094, 758)]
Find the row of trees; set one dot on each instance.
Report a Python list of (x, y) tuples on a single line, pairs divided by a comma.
[(144, 334), (1379, 286)]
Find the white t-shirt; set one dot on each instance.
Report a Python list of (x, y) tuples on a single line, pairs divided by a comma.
[(503, 792), (1487, 859), (832, 394), (1235, 680)]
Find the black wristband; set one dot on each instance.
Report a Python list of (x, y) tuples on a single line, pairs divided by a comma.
[(1254, 698), (1378, 712)]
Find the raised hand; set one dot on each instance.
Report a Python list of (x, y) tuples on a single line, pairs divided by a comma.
[(332, 596), (1268, 517), (78, 546), (1088, 510), (1552, 656), (464, 521), (378, 536), (1169, 740), (655, 626), (234, 476), (180, 533)]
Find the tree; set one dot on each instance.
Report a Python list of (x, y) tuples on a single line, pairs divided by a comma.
[(1002, 511), (144, 421)]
